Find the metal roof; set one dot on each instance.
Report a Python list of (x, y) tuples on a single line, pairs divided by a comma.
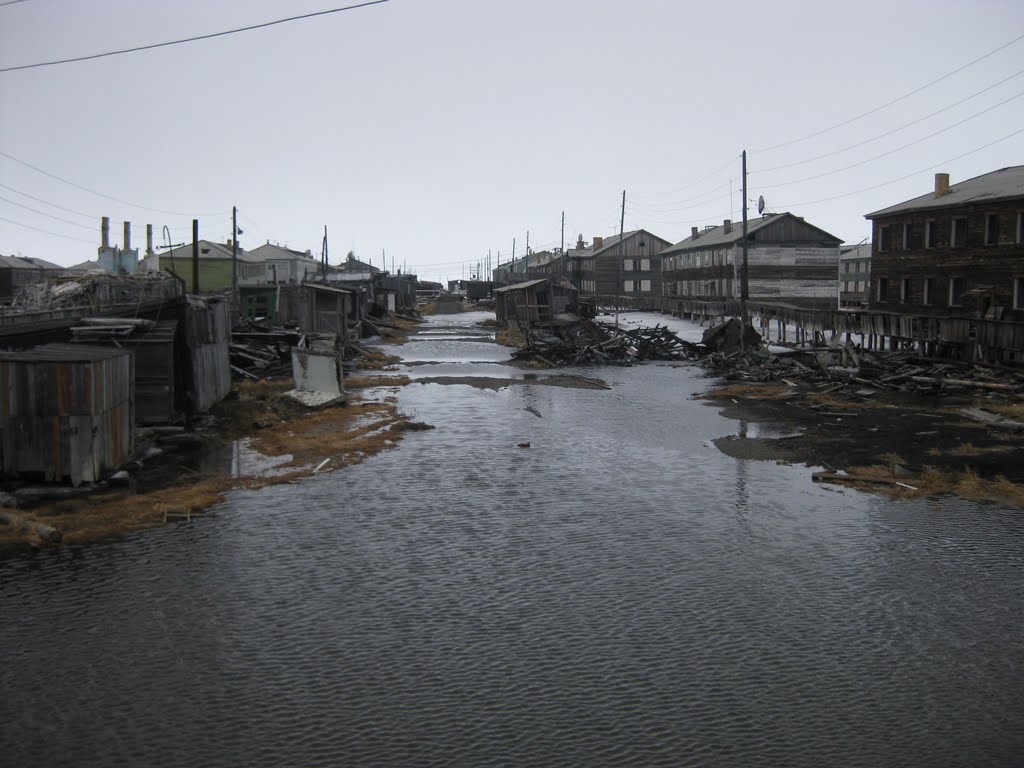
[(521, 286), (209, 250), (60, 353), (717, 236), (26, 262), (1004, 184)]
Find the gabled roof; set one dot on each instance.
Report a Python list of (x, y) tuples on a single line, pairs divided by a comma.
[(209, 250), (280, 253), (26, 262), (1004, 184), (610, 242), (520, 286), (352, 264), (717, 236)]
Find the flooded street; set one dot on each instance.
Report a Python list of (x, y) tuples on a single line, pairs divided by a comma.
[(618, 593)]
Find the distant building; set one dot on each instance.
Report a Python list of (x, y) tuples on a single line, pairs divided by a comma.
[(114, 260), (629, 267), (18, 271), (789, 261), (286, 265), (854, 276), (215, 266), (957, 251)]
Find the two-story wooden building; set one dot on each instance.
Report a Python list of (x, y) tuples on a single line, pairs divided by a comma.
[(954, 252), (628, 266), (788, 261)]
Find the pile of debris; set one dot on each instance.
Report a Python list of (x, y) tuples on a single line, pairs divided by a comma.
[(581, 342), (259, 350), (863, 371)]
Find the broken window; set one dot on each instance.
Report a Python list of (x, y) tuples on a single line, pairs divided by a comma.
[(883, 238), (906, 237), (929, 233), (991, 228), (928, 295), (956, 291), (905, 290), (883, 289)]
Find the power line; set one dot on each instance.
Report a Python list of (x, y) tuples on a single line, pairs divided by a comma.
[(99, 194), (909, 175), (44, 213), (892, 151), (893, 101), (12, 2), (191, 39), (47, 232), (47, 202), (889, 133)]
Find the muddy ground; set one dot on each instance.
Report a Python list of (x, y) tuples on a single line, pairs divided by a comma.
[(889, 438)]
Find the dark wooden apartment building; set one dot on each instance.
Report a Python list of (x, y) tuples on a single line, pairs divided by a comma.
[(954, 252), (629, 267), (788, 261)]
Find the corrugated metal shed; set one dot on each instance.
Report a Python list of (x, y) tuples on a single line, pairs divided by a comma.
[(66, 411), (207, 335)]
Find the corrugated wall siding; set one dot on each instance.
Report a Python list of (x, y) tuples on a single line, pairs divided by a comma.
[(66, 411), (208, 333)]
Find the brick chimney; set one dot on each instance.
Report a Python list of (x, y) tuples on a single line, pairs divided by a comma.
[(694, 232), (727, 226), (598, 242), (105, 232), (941, 184), (127, 236), (579, 243)]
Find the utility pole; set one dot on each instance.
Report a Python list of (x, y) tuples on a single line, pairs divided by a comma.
[(622, 256), (513, 253), (236, 303), (195, 255), (744, 287), (323, 254), (526, 264), (561, 248)]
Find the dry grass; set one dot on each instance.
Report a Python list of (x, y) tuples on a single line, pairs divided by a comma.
[(1012, 411), (747, 392), (376, 360), (344, 435), (930, 482), (969, 449), (510, 336)]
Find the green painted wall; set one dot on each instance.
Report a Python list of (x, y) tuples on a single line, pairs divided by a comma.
[(214, 274)]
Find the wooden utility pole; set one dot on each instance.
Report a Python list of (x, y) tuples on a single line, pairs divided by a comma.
[(195, 255), (513, 251), (744, 287), (622, 256), (323, 255), (561, 248), (234, 259), (526, 264)]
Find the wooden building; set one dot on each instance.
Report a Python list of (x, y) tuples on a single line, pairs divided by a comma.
[(956, 252), (66, 412), (854, 276), (19, 271), (788, 261), (628, 267)]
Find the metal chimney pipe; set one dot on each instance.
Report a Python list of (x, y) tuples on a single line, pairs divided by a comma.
[(149, 239), (105, 232), (127, 235)]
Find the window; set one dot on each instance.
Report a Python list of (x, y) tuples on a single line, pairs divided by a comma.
[(929, 233), (958, 233), (1020, 227), (956, 291), (929, 292), (991, 228), (645, 265), (906, 237), (905, 290), (645, 286), (846, 267), (883, 288), (1018, 293), (883, 238)]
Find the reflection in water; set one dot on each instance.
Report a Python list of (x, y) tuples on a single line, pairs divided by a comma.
[(620, 593)]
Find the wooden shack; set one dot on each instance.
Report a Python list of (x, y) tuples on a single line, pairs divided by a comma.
[(66, 412)]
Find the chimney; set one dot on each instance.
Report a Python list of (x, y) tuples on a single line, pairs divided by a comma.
[(127, 235), (598, 242), (694, 232), (579, 243), (149, 239), (941, 184), (727, 226), (105, 232)]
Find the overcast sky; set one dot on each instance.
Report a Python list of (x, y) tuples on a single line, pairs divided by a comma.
[(439, 130)]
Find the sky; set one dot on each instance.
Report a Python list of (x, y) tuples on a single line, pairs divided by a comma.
[(434, 133)]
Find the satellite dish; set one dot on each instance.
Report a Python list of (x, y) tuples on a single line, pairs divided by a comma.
[(760, 204)]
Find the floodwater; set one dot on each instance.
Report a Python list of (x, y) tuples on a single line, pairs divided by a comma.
[(620, 593)]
